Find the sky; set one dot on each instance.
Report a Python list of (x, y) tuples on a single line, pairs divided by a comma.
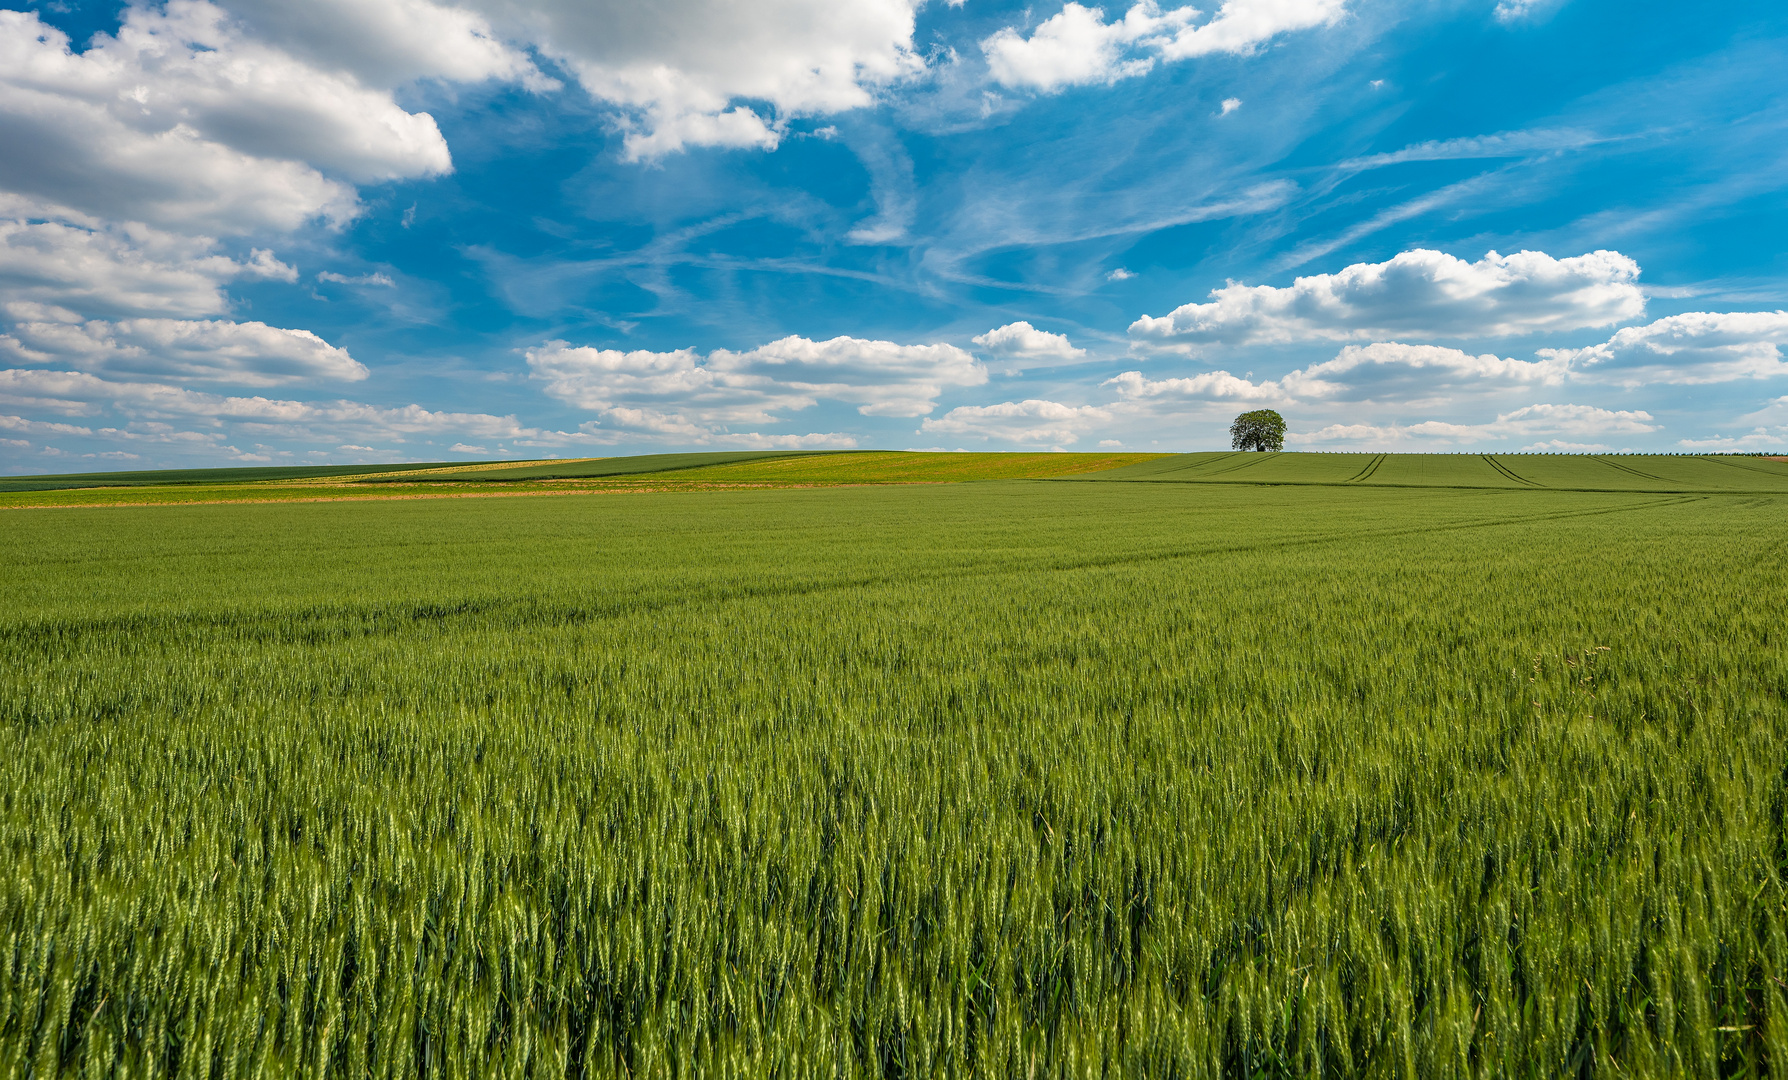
[(257, 232)]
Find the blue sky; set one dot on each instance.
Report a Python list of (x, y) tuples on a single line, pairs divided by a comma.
[(385, 230)]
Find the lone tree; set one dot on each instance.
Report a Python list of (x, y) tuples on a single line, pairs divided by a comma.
[(1262, 429)]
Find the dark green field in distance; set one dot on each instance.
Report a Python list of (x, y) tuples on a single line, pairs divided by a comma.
[(913, 467), (999, 779), (591, 468), (791, 468), (161, 477), (415, 472), (801, 468), (1662, 473), (650, 472)]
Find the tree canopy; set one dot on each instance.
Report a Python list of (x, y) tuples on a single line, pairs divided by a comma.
[(1262, 429)]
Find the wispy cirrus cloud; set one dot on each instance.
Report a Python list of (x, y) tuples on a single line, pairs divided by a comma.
[(380, 280), (1503, 144)]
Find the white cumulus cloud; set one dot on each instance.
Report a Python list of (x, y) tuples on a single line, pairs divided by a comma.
[(1026, 423), (880, 377), (159, 412), (1695, 347), (1243, 26), (233, 353), (1758, 439), (1209, 386), (1527, 422), (114, 270), (41, 427), (182, 122), (697, 72), (1077, 47), (255, 100), (1573, 420), (1417, 293), (393, 42), (1564, 446), (1383, 371), (1022, 341), (684, 394), (1393, 365)]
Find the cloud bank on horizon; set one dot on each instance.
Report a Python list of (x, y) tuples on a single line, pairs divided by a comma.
[(240, 230)]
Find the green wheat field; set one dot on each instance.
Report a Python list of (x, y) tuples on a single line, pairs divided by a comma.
[(1168, 766)]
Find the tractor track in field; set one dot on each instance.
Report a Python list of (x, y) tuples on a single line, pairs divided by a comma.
[(1746, 468), (1196, 466), (1606, 460), (1366, 473), (1252, 460), (1508, 472)]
